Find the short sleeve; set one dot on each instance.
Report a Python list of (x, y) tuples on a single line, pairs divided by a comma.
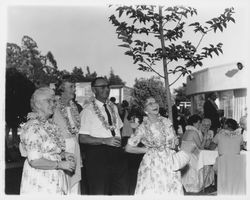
[(136, 137), (31, 143), (119, 121), (86, 122)]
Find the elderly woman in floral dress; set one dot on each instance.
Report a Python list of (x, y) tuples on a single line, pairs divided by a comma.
[(67, 118), (158, 172), (40, 141)]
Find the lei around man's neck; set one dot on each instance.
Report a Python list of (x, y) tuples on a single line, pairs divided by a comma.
[(100, 116)]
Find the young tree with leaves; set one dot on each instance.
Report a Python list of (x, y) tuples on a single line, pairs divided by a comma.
[(153, 34)]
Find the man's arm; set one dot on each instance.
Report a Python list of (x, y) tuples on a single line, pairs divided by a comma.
[(111, 141)]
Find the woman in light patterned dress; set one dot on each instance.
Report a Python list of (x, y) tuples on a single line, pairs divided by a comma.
[(67, 118), (46, 163), (158, 172), (192, 179)]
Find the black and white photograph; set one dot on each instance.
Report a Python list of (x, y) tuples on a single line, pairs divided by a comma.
[(144, 99)]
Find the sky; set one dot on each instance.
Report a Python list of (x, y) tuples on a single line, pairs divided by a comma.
[(81, 35)]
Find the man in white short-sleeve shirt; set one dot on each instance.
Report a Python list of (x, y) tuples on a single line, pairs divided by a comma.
[(105, 163)]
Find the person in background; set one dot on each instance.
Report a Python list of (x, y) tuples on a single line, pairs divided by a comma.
[(211, 111), (106, 164), (192, 179), (230, 166), (176, 116), (229, 139), (44, 148), (126, 130), (130, 125), (243, 125), (158, 172), (123, 110), (67, 117), (206, 132), (163, 112), (113, 100)]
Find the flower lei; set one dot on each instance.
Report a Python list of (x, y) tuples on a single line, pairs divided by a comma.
[(50, 127), (162, 128), (75, 116), (231, 133), (102, 118)]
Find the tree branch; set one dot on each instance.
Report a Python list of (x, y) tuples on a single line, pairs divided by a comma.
[(176, 79), (201, 39), (153, 70)]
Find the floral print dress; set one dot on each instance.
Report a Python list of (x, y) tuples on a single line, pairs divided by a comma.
[(39, 139), (156, 174)]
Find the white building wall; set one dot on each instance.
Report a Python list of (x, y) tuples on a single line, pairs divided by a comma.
[(224, 77), (228, 81)]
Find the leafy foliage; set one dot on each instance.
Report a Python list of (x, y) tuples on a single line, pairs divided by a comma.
[(39, 69), (115, 79), (145, 26), (17, 99), (145, 20), (180, 93), (79, 76), (152, 87)]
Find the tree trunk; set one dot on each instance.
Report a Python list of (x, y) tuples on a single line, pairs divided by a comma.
[(165, 67)]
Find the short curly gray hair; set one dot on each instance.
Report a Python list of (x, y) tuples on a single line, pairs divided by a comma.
[(38, 95)]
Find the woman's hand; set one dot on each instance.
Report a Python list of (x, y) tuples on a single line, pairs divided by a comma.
[(67, 165), (174, 142)]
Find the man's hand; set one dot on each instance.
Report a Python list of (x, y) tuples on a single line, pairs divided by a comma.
[(112, 141)]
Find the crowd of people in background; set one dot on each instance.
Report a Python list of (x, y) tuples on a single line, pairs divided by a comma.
[(126, 148)]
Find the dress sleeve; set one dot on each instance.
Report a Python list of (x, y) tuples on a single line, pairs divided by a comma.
[(136, 137), (31, 142), (216, 138)]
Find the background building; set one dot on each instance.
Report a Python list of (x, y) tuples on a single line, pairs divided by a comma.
[(84, 92), (229, 81)]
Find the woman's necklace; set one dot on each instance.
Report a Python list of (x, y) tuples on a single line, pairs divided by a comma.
[(50, 127), (161, 127), (102, 118), (231, 133), (73, 129)]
